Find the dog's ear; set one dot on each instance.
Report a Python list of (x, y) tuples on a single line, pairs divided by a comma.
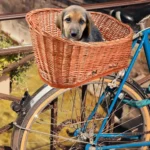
[(59, 21), (89, 23)]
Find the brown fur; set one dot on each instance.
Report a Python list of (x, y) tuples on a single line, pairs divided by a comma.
[(77, 25)]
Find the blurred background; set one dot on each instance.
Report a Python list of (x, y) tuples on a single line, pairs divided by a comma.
[(14, 34)]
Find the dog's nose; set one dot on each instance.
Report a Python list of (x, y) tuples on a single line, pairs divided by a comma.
[(73, 34)]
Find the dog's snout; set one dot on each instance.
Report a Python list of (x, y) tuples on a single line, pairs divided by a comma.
[(73, 34)]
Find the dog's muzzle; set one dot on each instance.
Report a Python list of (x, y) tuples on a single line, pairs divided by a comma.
[(74, 34)]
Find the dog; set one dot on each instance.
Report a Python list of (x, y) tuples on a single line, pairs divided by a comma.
[(76, 24)]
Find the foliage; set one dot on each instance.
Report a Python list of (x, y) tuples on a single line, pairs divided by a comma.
[(19, 74), (22, 79), (6, 42)]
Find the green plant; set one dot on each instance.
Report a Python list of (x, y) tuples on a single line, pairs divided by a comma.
[(17, 74), (5, 41)]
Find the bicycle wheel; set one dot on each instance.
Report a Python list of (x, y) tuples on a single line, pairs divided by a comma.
[(53, 115)]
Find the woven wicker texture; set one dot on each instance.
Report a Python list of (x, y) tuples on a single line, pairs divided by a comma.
[(63, 63)]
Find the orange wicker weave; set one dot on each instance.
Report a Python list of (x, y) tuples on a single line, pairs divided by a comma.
[(63, 63)]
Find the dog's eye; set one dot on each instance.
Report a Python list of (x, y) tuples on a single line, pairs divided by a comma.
[(81, 21), (68, 20)]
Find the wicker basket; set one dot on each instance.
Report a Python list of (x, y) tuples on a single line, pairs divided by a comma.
[(63, 63)]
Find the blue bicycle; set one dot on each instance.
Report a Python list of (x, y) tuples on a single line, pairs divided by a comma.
[(105, 114)]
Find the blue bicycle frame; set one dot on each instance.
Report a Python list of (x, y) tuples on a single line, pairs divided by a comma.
[(143, 40)]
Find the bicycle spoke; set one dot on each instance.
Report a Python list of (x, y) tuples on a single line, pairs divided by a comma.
[(56, 125), (123, 123), (127, 114)]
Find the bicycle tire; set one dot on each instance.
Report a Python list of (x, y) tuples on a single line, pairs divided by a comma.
[(36, 106)]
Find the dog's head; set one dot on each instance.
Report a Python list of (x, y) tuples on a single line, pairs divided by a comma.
[(74, 22)]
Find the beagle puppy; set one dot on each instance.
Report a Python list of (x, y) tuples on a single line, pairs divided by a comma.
[(76, 24)]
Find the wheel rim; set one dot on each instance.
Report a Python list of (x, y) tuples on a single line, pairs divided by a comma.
[(145, 117)]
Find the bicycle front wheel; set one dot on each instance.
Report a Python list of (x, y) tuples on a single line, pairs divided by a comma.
[(52, 117)]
